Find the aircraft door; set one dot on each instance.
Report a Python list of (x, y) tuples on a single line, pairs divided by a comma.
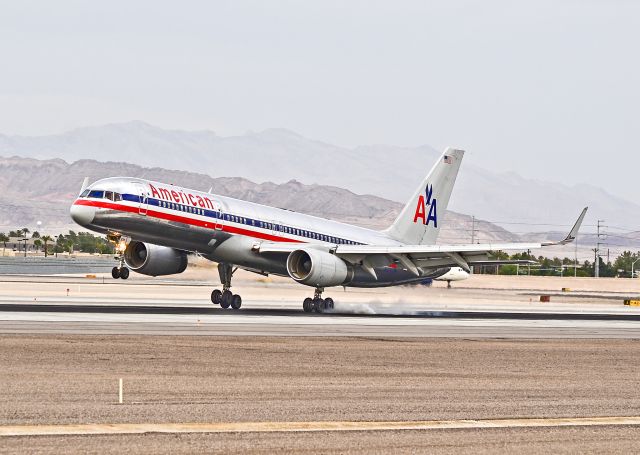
[(143, 194), (219, 220)]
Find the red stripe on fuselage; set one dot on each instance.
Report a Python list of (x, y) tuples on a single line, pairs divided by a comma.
[(184, 220)]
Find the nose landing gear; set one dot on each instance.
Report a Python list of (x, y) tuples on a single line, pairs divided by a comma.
[(318, 304), (120, 243), (226, 298), (120, 272)]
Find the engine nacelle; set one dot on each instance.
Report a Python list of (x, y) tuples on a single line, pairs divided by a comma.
[(154, 260), (318, 268)]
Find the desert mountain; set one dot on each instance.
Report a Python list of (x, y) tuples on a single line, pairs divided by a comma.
[(278, 155), (34, 190)]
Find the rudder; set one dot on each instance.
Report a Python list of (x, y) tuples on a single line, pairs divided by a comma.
[(420, 220)]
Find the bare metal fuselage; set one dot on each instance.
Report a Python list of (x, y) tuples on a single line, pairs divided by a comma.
[(222, 229)]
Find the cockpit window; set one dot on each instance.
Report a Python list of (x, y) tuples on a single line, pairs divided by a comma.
[(96, 194), (111, 195)]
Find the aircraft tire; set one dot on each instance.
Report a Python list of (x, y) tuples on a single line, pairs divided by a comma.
[(225, 302), (328, 304), (115, 273), (318, 305), (124, 273), (236, 302), (307, 305), (216, 296)]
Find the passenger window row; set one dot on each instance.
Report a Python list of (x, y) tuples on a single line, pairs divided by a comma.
[(181, 207), (113, 196)]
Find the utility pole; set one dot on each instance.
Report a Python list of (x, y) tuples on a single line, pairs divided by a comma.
[(575, 261), (473, 229), (597, 250), (473, 237)]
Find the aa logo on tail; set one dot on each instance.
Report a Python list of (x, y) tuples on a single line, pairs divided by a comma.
[(425, 201)]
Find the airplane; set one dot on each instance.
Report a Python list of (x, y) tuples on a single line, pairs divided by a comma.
[(453, 274), (156, 225)]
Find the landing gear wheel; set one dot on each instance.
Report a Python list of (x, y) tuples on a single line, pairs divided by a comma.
[(115, 273), (216, 296), (318, 305), (236, 302), (124, 273), (227, 296), (307, 305), (328, 304)]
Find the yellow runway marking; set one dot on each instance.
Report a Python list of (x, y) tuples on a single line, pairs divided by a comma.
[(290, 427)]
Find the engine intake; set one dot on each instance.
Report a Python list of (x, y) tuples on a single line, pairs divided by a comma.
[(318, 268), (154, 260)]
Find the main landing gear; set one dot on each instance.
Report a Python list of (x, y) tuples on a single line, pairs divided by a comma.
[(226, 298), (317, 303)]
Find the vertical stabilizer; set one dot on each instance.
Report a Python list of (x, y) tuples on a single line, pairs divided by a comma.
[(420, 220)]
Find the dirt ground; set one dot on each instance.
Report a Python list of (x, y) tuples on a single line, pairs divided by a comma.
[(73, 379), (568, 440)]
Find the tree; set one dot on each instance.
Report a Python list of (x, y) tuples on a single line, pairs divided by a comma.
[(4, 239), (46, 239), (37, 243), (24, 231), (624, 261), (35, 235)]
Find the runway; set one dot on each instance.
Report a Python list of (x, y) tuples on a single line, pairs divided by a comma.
[(77, 306), (143, 321)]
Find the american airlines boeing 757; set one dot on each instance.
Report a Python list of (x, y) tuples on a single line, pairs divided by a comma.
[(155, 226)]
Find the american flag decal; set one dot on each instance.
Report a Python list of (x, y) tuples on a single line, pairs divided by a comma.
[(447, 160)]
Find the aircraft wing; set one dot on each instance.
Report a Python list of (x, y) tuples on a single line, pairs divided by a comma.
[(414, 257)]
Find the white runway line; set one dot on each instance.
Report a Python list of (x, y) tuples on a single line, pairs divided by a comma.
[(298, 427), (311, 320)]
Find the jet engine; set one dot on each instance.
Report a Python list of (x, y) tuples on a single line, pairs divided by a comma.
[(318, 268), (154, 260)]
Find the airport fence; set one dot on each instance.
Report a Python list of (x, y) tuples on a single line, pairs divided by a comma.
[(55, 266)]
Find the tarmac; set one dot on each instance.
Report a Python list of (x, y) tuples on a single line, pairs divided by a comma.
[(484, 367), (78, 305)]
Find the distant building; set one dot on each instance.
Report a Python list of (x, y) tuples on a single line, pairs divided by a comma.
[(17, 245)]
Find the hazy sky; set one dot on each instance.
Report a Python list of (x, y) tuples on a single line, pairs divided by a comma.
[(549, 89)]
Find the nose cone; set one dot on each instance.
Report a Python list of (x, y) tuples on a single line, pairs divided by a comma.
[(82, 214)]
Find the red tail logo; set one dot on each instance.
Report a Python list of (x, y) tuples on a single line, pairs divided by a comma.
[(421, 210)]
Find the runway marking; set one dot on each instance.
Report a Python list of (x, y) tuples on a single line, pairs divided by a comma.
[(296, 427)]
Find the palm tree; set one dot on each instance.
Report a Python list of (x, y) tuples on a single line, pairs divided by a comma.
[(46, 239), (25, 231), (4, 239)]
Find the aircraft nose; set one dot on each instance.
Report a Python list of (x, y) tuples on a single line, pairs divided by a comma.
[(82, 214)]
